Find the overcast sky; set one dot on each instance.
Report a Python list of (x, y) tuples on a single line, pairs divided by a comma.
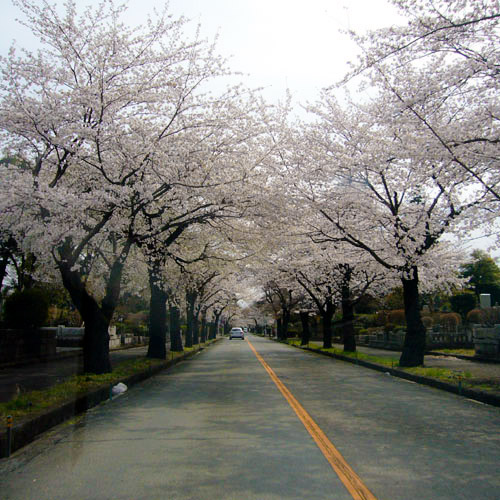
[(280, 44)]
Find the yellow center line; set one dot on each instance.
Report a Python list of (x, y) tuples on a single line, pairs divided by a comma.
[(346, 474)]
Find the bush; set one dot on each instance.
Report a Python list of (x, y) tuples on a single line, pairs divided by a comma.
[(489, 316), (427, 321), (397, 317), (450, 320), (492, 315), (25, 310), (476, 316)]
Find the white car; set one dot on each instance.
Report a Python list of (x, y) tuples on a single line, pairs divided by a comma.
[(237, 333)]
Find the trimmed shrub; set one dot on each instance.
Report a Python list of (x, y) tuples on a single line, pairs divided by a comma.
[(476, 316), (26, 310), (427, 321), (450, 320), (491, 315), (397, 317)]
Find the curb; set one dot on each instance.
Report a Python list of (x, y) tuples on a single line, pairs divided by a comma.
[(26, 432), (481, 396)]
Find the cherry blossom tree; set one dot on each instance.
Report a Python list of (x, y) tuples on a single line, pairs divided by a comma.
[(441, 71), (382, 197), (103, 114)]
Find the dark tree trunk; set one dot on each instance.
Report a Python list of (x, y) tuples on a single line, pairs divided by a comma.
[(190, 300), (4, 260), (286, 323), (279, 329), (306, 335), (215, 325), (203, 327), (175, 329), (348, 325), (414, 344), (327, 315), (96, 336), (157, 315), (96, 317), (196, 329)]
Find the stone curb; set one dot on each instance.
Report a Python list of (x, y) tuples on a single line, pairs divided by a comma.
[(26, 432), (481, 396)]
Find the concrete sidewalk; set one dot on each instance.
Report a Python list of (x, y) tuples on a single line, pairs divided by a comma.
[(477, 369), (469, 377), (36, 376)]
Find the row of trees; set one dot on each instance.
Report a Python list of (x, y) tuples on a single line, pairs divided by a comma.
[(386, 176), (132, 161), (125, 150)]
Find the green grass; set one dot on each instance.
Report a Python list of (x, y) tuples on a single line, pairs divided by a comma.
[(462, 352), (443, 374), (35, 402)]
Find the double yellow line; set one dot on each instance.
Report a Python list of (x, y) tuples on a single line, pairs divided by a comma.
[(349, 478)]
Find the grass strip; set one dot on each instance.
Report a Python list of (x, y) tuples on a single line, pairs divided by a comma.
[(443, 374), (461, 352), (35, 402)]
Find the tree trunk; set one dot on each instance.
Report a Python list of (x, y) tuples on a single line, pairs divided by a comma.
[(279, 329), (215, 325), (327, 315), (414, 344), (348, 325), (196, 329), (190, 300), (175, 330), (203, 327), (286, 322), (4, 260), (96, 336), (157, 315), (96, 317), (306, 335)]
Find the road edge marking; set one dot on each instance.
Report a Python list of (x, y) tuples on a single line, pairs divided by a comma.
[(352, 482)]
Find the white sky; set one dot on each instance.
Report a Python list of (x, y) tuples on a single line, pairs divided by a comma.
[(280, 44)]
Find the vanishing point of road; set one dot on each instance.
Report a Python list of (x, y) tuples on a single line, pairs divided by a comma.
[(260, 420)]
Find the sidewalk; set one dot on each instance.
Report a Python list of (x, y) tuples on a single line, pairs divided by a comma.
[(36, 376), (470, 378), (477, 369)]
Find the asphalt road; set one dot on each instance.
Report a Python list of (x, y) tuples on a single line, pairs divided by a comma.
[(217, 427)]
